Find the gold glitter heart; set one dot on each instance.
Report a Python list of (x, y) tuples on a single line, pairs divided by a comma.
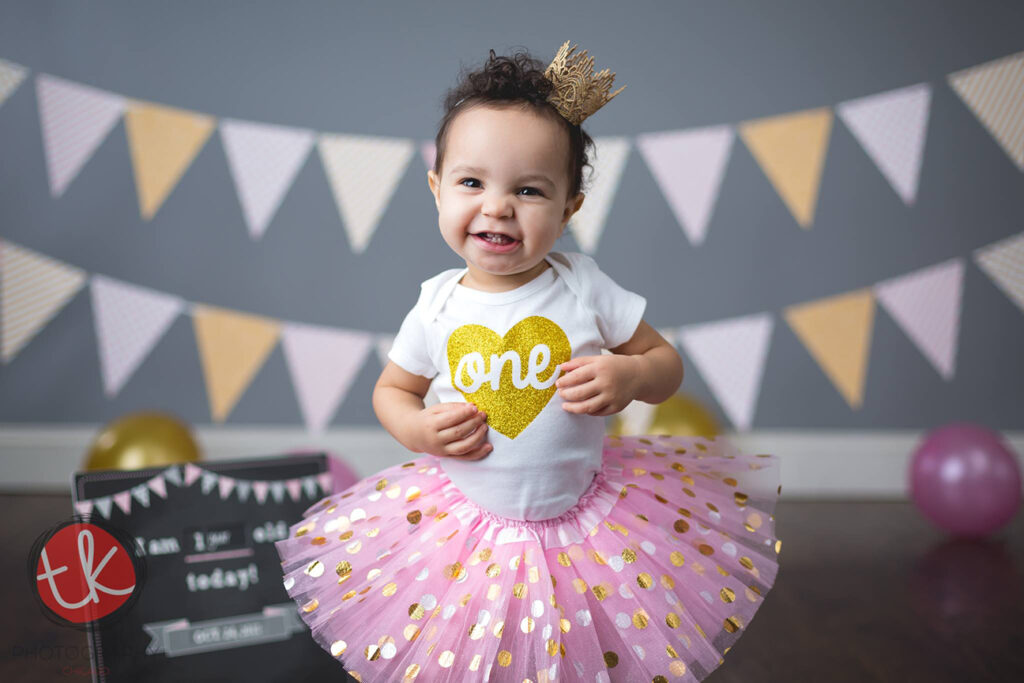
[(526, 358)]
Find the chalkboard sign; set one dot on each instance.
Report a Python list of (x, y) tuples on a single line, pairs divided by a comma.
[(213, 607)]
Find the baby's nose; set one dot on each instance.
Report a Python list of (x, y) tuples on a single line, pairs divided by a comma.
[(497, 205)]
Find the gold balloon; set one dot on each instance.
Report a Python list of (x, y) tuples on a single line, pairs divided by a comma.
[(141, 440), (679, 415)]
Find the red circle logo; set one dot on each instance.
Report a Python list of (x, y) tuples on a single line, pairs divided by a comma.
[(84, 573)]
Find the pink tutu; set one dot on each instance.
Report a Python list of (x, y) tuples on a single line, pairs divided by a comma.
[(652, 575)]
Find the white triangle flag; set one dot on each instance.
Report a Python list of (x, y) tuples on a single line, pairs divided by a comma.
[(75, 119), (363, 172), (208, 480), (609, 160), (129, 321), (277, 490), (264, 160), (141, 494), (892, 127), (11, 76), (926, 306), (104, 505), (173, 475), (689, 166), (730, 355), (994, 91), (1003, 262), (322, 362), (33, 289), (309, 486), (243, 488)]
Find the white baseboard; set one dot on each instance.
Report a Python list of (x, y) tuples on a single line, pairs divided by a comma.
[(815, 464)]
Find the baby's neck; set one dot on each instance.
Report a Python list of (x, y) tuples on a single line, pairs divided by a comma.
[(488, 282)]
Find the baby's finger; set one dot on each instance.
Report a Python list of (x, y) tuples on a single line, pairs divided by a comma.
[(462, 429), (580, 392), (464, 446), (454, 413), (577, 376), (587, 407), (478, 453)]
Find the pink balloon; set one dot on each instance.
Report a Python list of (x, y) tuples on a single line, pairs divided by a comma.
[(965, 479)]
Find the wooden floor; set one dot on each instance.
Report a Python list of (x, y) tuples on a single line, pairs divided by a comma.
[(866, 592)]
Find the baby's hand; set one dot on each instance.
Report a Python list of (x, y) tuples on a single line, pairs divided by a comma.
[(597, 385), (454, 429)]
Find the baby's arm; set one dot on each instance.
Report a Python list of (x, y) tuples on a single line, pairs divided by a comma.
[(645, 368), (443, 429)]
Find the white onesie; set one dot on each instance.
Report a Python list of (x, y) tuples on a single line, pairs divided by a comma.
[(500, 350)]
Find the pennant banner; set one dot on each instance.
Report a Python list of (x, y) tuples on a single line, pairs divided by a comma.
[(891, 127), (363, 172), (33, 289), (11, 76), (730, 356), (926, 305), (129, 321), (163, 142), (837, 332), (232, 347), (1003, 262), (689, 166), (264, 161), (609, 160), (323, 362), (75, 120), (791, 151), (994, 91)]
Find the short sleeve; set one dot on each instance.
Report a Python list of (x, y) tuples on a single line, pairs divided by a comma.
[(618, 311), (410, 350)]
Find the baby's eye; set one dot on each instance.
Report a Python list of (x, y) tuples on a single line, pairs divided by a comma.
[(532, 190), (468, 180)]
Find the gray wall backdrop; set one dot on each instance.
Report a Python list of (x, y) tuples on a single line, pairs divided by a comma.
[(381, 69)]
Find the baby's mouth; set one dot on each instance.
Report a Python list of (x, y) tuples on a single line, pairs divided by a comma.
[(495, 238)]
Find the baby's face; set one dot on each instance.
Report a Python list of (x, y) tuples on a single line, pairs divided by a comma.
[(502, 198)]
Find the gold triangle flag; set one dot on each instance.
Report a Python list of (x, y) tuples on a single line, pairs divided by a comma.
[(233, 346), (837, 332), (163, 142), (790, 149)]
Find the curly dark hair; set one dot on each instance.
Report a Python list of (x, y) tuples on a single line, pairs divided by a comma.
[(517, 79)]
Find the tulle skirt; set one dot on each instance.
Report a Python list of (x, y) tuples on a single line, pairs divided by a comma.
[(651, 576)]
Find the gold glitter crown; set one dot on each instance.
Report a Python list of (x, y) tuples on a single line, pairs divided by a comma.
[(579, 92)]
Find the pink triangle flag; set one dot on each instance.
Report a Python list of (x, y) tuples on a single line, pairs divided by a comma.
[(428, 152), (191, 473), (264, 160), (926, 306), (83, 507), (689, 166), (730, 355), (158, 485), (891, 127), (75, 120), (124, 501), (294, 488), (323, 361), (225, 486), (260, 488), (324, 480), (129, 321)]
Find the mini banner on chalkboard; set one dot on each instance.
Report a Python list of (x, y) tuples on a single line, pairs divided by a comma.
[(213, 607)]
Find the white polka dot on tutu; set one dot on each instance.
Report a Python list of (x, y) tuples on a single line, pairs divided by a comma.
[(616, 563), (648, 547), (583, 618), (729, 549), (622, 620), (428, 602), (537, 608)]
